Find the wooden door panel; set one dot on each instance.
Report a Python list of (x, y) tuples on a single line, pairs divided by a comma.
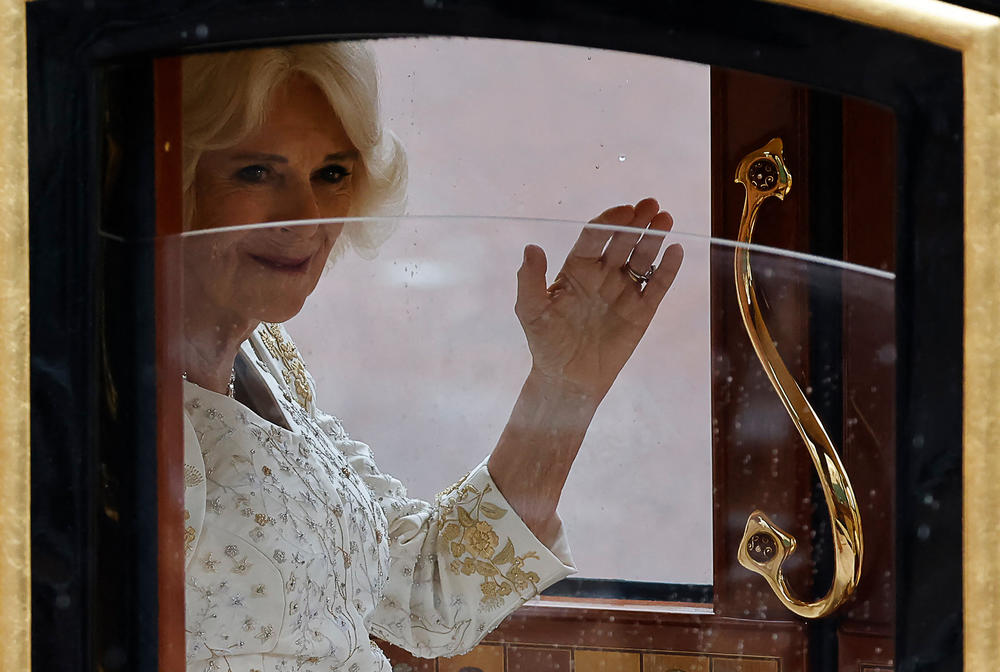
[(585, 660), (658, 662), (867, 631), (747, 111), (485, 658), (689, 636), (540, 658), (745, 665)]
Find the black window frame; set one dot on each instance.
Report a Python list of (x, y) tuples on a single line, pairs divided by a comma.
[(93, 379)]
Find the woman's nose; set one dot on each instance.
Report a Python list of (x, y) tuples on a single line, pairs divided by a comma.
[(299, 203)]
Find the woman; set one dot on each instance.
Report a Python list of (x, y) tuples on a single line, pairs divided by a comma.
[(298, 548)]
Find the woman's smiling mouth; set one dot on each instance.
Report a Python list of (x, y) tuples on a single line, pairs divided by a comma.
[(283, 264)]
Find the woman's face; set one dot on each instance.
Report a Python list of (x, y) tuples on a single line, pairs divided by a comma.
[(298, 165)]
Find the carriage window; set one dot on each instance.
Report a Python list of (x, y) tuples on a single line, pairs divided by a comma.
[(504, 330), (428, 356)]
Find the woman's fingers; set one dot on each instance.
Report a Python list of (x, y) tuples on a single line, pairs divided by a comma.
[(663, 277), (636, 246), (645, 251), (590, 244), (622, 242), (532, 297)]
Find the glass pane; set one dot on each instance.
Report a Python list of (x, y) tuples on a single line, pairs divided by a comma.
[(430, 357), (353, 308), (419, 351), (544, 136)]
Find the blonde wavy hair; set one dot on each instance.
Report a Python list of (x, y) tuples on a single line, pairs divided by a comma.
[(225, 99)]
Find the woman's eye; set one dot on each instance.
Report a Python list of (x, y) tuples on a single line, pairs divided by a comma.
[(332, 174), (253, 173)]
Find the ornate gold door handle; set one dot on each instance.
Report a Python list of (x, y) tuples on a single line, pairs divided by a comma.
[(765, 546)]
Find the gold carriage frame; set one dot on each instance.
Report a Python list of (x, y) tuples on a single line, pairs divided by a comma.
[(975, 35)]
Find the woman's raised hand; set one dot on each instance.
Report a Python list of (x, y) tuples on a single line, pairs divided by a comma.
[(582, 328)]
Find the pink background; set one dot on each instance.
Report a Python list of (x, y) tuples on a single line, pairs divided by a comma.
[(419, 351)]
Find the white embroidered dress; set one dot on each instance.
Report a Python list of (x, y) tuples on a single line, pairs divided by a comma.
[(298, 548)]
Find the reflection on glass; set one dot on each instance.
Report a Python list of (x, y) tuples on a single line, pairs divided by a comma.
[(429, 357), (421, 360), (493, 345), (281, 502)]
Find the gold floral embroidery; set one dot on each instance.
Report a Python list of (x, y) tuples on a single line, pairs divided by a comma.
[(450, 489), (294, 369), (480, 539), (190, 534), (192, 476), (472, 541)]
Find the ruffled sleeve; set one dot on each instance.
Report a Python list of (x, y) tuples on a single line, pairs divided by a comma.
[(458, 566)]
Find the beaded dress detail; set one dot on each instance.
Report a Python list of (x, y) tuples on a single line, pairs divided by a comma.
[(299, 549)]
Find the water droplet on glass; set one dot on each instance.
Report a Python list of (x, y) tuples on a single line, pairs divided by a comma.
[(621, 158)]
